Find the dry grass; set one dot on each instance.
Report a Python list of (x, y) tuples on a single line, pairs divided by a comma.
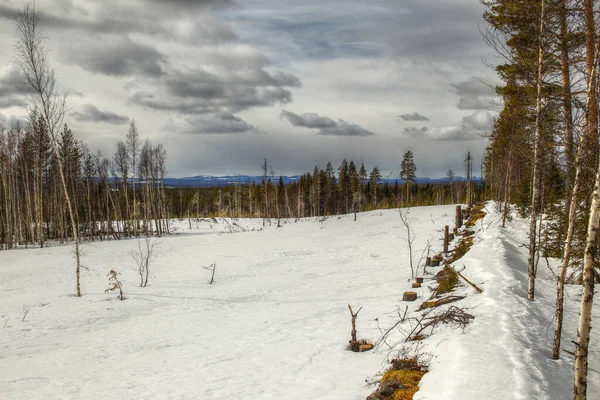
[(461, 249), (447, 280), (408, 372), (477, 213)]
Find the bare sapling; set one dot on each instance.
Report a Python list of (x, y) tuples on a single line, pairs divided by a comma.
[(355, 345), (211, 267), (410, 236), (424, 256), (115, 284), (144, 256)]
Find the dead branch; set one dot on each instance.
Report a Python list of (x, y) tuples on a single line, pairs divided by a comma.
[(26, 310), (468, 281), (392, 328)]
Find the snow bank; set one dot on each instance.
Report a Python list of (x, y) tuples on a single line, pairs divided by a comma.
[(505, 352)]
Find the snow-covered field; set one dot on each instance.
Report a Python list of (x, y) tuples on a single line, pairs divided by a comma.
[(275, 325)]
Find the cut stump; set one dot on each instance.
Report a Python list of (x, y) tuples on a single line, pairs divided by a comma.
[(419, 279), (365, 347), (436, 260), (409, 296), (416, 285)]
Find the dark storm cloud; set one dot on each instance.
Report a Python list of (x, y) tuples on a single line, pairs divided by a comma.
[(116, 56), (92, 114), (13, 89), (224, 91), (472, 127), (475, 95), (220, 124), (413, 117), (308, 120), (325, 125)]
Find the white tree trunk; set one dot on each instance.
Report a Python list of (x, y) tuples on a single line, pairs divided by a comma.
[(536, 165)]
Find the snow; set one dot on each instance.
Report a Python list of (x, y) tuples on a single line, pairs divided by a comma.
[(276, 324), (506, 351)]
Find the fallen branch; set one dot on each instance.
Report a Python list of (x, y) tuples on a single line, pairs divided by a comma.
[(440, 302), (468, 281), (26, 310)]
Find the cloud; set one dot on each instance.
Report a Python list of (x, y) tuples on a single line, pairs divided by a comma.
[(10, 121), (444, 30), (220, 124), (199, 68), (472, 127), (13, 89), (414, 117), (92, 114), (152, 17), (325, 125), (228, 86), (475, 95), (308, 120), (116, 56)]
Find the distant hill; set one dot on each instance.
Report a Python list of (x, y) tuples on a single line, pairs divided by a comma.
[(228, 180)]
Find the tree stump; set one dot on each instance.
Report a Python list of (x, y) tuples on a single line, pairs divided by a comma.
[(416, 285), (459, 217), (428, 262), (436, 260), (409, 296), (419, 279), (365, 347)]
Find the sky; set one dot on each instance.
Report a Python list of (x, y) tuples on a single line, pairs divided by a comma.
[(223, 84)]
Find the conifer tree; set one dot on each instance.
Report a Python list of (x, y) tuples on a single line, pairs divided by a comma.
[(408, 171)]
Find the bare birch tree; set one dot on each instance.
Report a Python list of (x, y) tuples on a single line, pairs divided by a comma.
[(535, 197), (47, 102)]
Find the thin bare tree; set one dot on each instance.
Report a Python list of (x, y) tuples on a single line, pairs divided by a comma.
[(47, 102)]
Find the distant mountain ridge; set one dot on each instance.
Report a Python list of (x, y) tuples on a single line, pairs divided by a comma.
[(228, 180)]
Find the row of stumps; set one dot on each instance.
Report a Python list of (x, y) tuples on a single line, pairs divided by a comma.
[(437, 259), (402, 378)]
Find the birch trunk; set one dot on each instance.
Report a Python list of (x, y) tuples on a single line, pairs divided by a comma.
[(536, 164), (587, 298)]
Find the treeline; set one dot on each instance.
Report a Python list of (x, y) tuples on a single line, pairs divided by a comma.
[(108, 205), (543, 152), (105, 203), (322, 192)]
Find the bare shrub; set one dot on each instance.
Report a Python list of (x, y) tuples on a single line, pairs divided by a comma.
[(143, 256)]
